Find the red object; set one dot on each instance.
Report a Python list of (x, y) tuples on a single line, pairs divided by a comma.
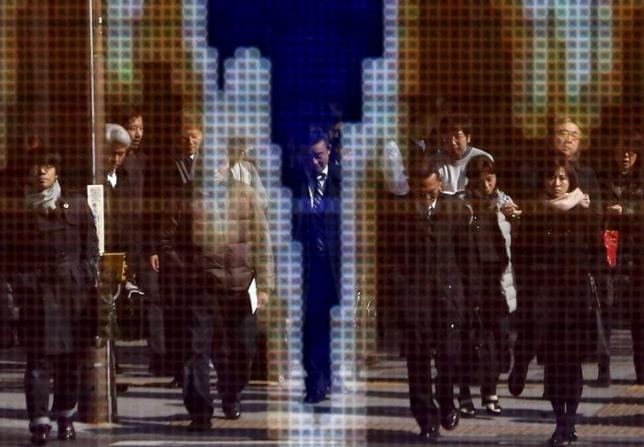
[(611, 242)]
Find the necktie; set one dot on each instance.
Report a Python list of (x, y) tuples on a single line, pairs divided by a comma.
[(188, 163), (318, 215)]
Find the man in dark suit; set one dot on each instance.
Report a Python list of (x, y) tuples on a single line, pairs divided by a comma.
[(179, 175), (316, 224), (428, 275), (140, 171)]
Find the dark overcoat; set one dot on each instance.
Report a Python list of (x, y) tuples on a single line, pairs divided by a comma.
[(51, 260), (429, 267), (555, 252)]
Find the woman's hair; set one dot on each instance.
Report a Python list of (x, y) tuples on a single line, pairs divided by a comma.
[(479, 165), (44, 157), (633, 137), (550, 168)]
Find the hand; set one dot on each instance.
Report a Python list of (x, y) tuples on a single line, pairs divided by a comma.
[(511, 210), (154, 263), (615, 209), (585, 202), (262, 299)]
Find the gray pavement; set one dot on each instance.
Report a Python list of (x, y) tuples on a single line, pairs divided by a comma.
[(372, 410)]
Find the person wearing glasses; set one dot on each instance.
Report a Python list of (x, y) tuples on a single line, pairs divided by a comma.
[(455, 152), (623, 187)]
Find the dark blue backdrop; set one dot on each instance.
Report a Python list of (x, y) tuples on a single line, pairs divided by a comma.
[(316, 49)]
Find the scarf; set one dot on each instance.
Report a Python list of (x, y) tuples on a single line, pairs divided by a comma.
[(569, 200), (45, 199)]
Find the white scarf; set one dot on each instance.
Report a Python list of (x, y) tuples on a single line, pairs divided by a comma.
[(569, 200), (45, 199)]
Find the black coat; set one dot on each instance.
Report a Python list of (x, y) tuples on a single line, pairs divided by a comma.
[(554, 253), (628, 191), (303, 223), (430, 264), (487, 260), (124, 213), (51, 262)]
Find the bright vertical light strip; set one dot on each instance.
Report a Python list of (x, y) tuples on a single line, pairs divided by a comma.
[(536, 63)]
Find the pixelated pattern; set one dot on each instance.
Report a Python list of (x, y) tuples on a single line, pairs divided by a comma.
[(566, 58)]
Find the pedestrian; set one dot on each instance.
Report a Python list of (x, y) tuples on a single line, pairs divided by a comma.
[(51, 256), (557, 249)]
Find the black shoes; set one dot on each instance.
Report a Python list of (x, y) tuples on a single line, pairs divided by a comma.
[(603, 377), (517, 379), (429, 435), (66, 430), (314, 397), (40, 434), (200, 425), (492, 406), (466, 408), (232, 410), (558, 438), (449, 419)]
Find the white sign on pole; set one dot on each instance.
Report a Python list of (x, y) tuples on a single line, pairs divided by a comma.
[(96, 202)]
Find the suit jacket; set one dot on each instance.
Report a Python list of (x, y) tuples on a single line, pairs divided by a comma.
[(124, 213), (303, 224), (430, 264)]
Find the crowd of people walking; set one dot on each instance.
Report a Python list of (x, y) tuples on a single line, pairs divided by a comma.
[(467, 255)]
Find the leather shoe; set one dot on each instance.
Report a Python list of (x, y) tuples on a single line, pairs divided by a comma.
[(449, 420), (517, 379), (466, 409), (232, 410), (492, 406), (558, 438), (200, 424), (40, 434), (314, 398), (429, 435), (66, 430)]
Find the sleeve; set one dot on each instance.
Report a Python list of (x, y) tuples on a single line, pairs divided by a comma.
[(89, 239), (263, 262), (393, 171)]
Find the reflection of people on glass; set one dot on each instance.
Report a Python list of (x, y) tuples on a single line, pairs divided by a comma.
[(241, 168), (51, 253), (623, 187), (558, 248), (316, 224)]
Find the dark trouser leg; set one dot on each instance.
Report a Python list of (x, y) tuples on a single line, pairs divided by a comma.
[(316, 328), (236, 350), (66, 384), (36, 384), (637, 334), (149, 283), (196, 379), (317, 347), (490, 365), (421, 396), (447, 358)]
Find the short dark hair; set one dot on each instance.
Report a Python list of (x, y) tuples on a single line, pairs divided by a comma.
[(44, 157), (427, 169), (127, 115), (455, 121), (634, 137), (481, 164), (553, 165), (315, 135)]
